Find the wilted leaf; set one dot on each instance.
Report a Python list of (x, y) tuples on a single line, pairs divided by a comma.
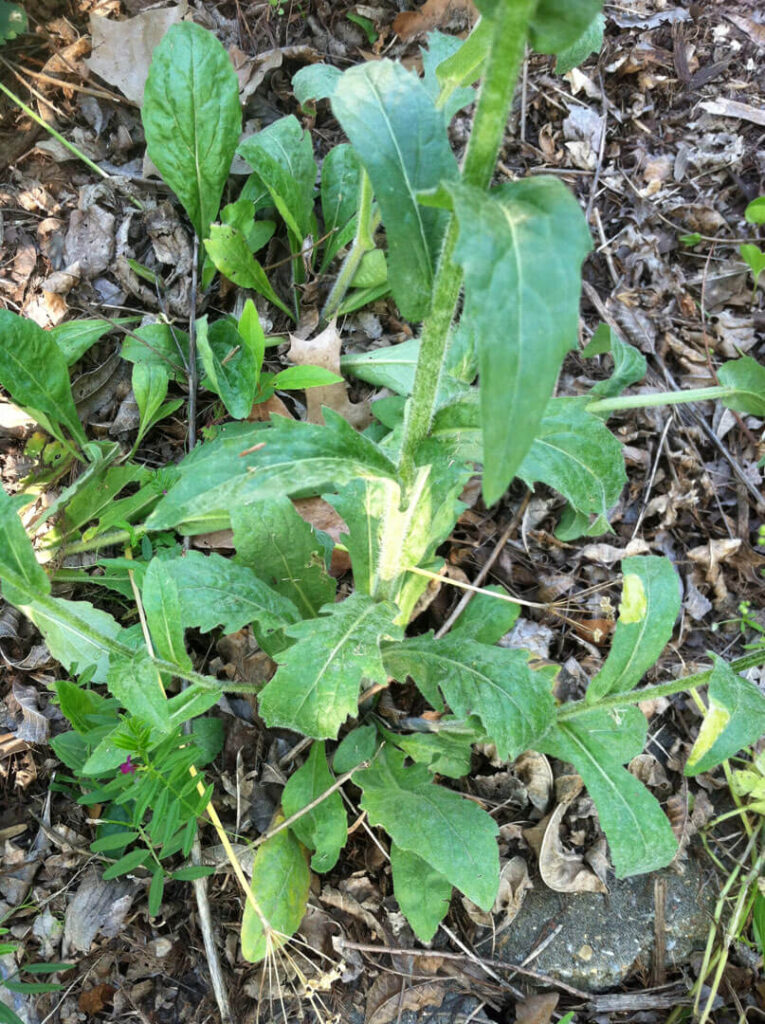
[(735, 719), (280, 882)]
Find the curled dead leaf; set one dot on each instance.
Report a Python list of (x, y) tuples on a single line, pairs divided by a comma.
[(390, 996), (432, 15), (536, 1009), (562, 870), (514, 882), (534, 771)]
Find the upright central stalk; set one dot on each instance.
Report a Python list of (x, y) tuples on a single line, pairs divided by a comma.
[(503, 64)]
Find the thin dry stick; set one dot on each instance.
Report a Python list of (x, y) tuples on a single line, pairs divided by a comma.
[(486, 569), (400, 951)]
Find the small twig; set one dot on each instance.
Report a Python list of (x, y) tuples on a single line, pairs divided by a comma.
[(337, 784), (486, 568), (100, 94)]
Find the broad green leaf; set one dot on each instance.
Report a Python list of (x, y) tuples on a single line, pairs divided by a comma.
[(401, 139), (340, 178), (100, 455), (590, 41), (325, 828), (251, 331), (734, 720), (162, 606), (453, 835), (296, 457), (465, 65), (486, 619), (13, 21), (158, 344), (357, 746), (98, 502), (149, 382), (555, 26), (422, 892), (282, 155), (241, 215), (280, 882), (650, 604), (230, 364), (191, 702), (114, 841), (214, 591), (629, 363), (758, 919), (755, 211), (514, 703), (526, 312), (156, 891), (192, 118), (447, 90), (317, 684), (372, 272), (297, 378), (18, 565), (315, 82), (84, 709), (77, 634), (572, 451), (111, 752), (136, 684), (747, 376), (35, 374), (754, 258), (447, 750), (75, 337), (391, 367), (281, 548), (227, 248), (597, 744)]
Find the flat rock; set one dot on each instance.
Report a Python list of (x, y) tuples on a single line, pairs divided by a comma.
[(603, 938)]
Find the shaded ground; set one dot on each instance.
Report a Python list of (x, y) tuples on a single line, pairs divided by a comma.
[(647, 138)]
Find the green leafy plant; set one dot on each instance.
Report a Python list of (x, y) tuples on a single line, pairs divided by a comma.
[(13, 982), (494, 276), (750, 253)]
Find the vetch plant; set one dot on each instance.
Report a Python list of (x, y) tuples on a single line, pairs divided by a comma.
[(493, 274)]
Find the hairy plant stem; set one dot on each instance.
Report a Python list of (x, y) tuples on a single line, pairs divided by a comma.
[(363, 243), (660, 398), (503, 64), (620, 700)]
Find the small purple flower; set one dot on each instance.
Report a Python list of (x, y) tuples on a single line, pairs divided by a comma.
[(127, 767)]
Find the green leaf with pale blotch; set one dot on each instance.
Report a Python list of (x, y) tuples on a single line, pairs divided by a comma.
[(296, 457), (13, 21), (282, 155), (21, 577), (629, 363), (533, 235), (230, 364), (555, 26), (486, 619), (162, 606), (281, 548), (598, 743), (514, 704), (228, 249), (325, 828), (317, 684), (75, 337), (280, 882), (590, 41), (650, 604), (735, 719), (453, 835), (357, 746), (340, 182), (422, 892), (192, 118), (35, 374), (136, 684), (400, 137), (747, 376), (214, 591)]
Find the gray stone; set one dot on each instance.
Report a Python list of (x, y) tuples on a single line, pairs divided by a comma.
[(603, 938)]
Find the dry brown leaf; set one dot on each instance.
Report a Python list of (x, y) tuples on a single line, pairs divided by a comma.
[(534, 771), (122, 49), (34, 726), (433, 14), (386, 1001), (331, 897), (262, 411), (514, 881), (89, 243), (536, 1009), (97, 906), (754, 29), (724, 107), (94, 1000), (324, 351), (560, 869), (711, 556)]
